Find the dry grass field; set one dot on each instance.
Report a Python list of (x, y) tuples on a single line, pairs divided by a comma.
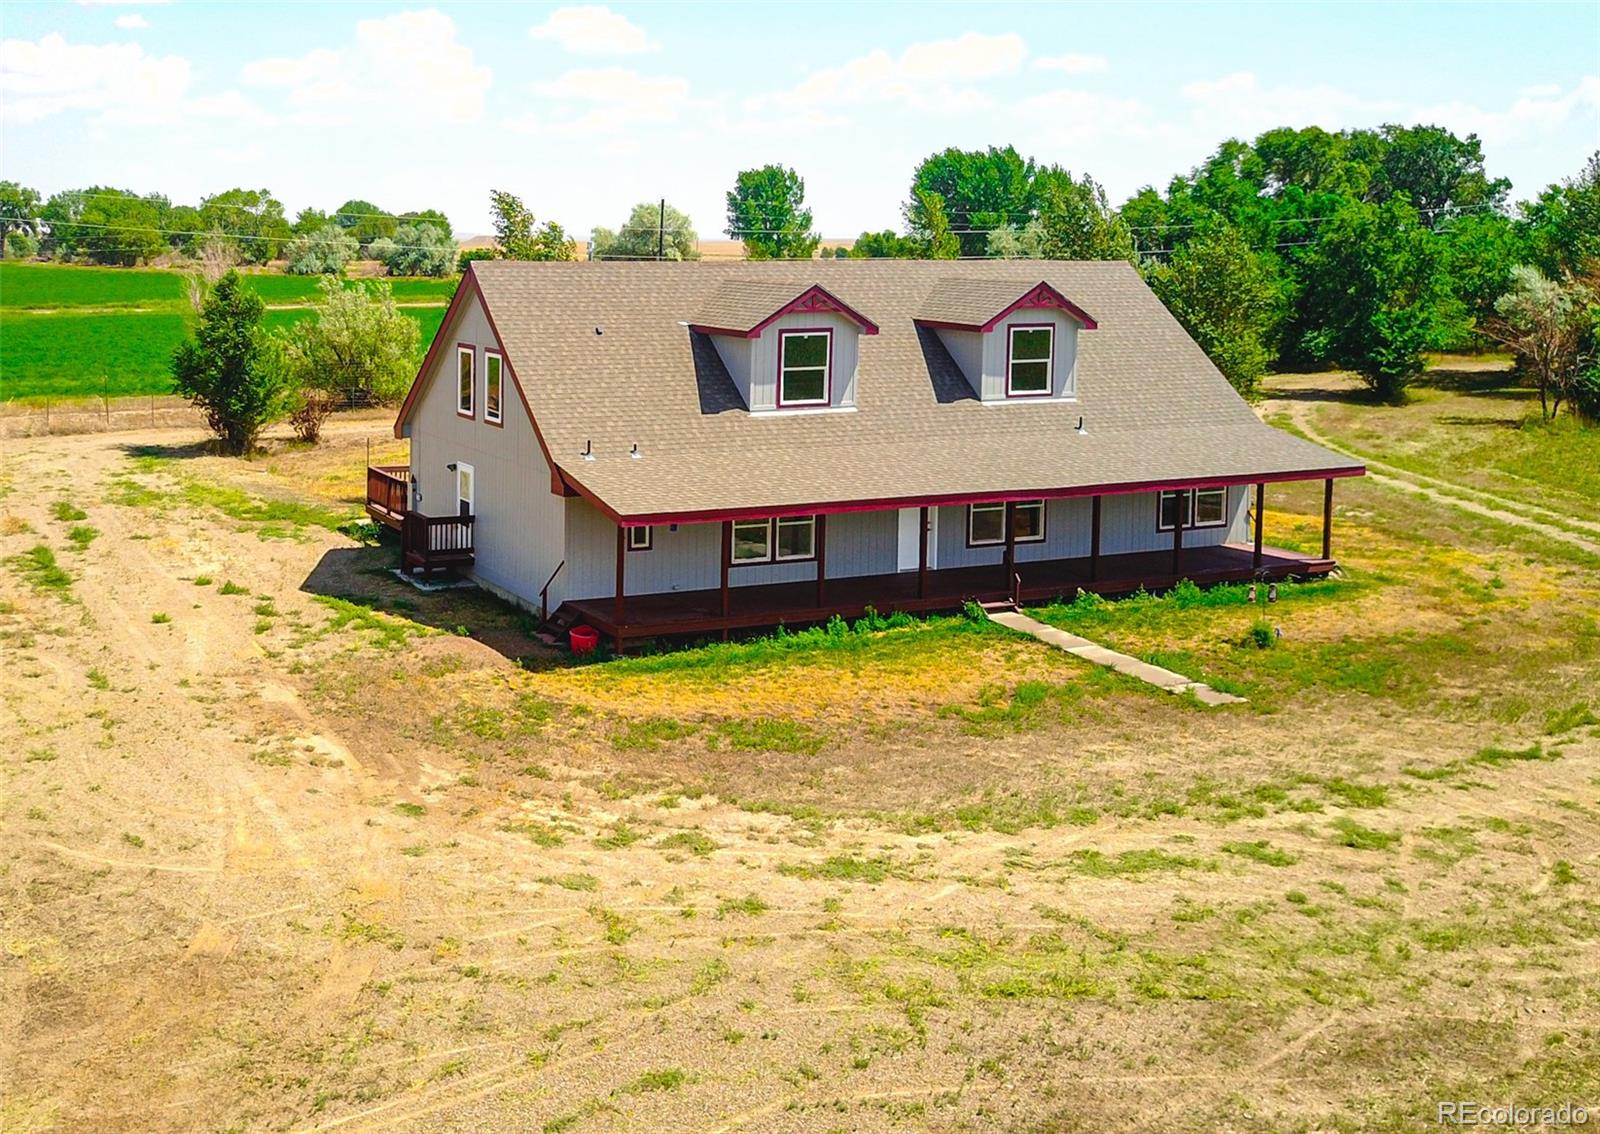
[(293, 847)]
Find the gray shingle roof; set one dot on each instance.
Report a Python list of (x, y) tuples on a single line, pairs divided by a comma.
[(972, 301), (1155, 409), (738, 305)]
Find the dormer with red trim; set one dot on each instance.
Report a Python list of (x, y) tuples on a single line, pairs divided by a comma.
[(787, 348), (1015, 341)]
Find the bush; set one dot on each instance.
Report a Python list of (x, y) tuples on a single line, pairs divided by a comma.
[(323, 252), (313, 409), (468, 255), (21, 246), (416, 250), (357, 340), (1586, 395), (232, 369), (1261, 635)]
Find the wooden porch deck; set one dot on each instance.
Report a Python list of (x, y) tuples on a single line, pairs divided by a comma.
[(795, 604)]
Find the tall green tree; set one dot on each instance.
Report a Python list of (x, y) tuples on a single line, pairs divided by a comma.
[(232, 369), (1228, 297), (648, 229), (979, 191), (252, 217), (1376, 280), (365, 221), (1562, 225), (1076, 222), (767, 210), (518, 237), (19, 209), (1436, 171), (355, 339), (886, 245)]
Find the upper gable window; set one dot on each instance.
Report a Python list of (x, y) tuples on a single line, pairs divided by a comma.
[(1030, 359), (465, 383), (493, 367), (804, 363)]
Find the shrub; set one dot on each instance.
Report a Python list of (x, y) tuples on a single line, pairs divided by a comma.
[(21, 246), (1261, 635), (232, 369), (323, 252), (311, 412)]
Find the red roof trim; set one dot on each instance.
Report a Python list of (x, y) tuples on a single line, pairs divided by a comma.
[(958, 498), (1041, 295), (812, 300), (439, 340)]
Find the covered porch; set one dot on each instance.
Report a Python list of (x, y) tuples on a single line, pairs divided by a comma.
[(623, 617)]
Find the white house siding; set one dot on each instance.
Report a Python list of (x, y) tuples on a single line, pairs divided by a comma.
[(690, 558), (966, 348), (1127, 524), (1064, 373), (518, 531), (764, 358)]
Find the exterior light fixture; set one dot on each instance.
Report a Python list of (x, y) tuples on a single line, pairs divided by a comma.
[(1272, 592)]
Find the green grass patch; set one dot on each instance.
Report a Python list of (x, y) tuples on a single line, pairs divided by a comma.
[(82, 535), (1349, 833), (540, 834), (67, 512), (385, 631), (38, 566), (751, 905), (840, 868), (1261, 851), (413, 810), (695, 842), (229, 587), (1129, 863), (650, 734), (581, 882), (766, 734)]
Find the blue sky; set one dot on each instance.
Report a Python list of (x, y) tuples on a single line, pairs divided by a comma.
[(585, 110)]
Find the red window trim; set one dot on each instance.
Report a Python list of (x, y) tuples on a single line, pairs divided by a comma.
[(497, 422), (772, 559), (1192, 493), (1050, 363), (1044, 512), (471, 412), (827, 373)]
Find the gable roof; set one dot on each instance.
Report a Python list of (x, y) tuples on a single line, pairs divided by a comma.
[(1155, 411), (743, 307), (972, 303)]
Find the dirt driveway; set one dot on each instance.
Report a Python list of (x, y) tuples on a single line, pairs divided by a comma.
[(274, 862)]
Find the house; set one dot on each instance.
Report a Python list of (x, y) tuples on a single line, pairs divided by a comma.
[(662, 448)]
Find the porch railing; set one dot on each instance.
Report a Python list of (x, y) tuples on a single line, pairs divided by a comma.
[(388, 491)]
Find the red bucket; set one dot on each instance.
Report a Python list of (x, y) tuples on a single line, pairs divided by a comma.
[(583, 639)]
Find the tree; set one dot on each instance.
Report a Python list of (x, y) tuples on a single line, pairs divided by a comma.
[(1545, 322), (355, 340), (416, 250), (1011, 242), (20, 245), (365, 221), (429, 216), (232, 369), (1227, 297), (1436, 171), (323, 252), (648, 226), (980, 191), (181, 226), (1562, 226), (940, 243), (253, 217), (766, 210), (1075, 221), (310, 220), (518, 239), (115, 226), (1375, 278), (1480, 249), (886, 245), (19, 209)]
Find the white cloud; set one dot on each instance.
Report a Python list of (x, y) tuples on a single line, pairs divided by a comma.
[(593, 29), (1066, 116), (1073, 64), (606, 100), (1238, 105), (118, 80), (408, 66), (925, 76), (1536, 113), (133, 21)]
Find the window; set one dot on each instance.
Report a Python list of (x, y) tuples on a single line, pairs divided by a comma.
[(1029, 358), (986, 523), (1200, 508), (492, 366), (782, 539), (640, 539), (803, 361), (797, 537), (752, 541), (464, 489), (464, 357)]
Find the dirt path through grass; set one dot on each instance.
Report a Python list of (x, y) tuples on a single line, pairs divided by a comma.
[(1468, 499)]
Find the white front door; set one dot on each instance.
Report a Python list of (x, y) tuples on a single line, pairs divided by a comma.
[(910, 545), (465, 487)]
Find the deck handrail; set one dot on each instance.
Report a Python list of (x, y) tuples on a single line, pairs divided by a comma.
[(432, 535), (388, 487), (544, 593)]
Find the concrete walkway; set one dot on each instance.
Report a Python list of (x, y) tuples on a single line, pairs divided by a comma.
[(1099, 655)]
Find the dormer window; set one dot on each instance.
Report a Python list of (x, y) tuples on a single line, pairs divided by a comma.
[(804, 361), (1030, 360)]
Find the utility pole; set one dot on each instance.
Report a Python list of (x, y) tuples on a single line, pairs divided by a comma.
[(661, 232)]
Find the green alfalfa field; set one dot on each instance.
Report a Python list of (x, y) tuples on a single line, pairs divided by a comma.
[(71, 332)]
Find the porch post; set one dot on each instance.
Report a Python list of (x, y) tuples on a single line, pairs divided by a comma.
[(1261, 505), (1177, 538), (727, 558), (622, 574), (1094, 541), (1011, 545), (822, 560), (1327, 518), (922, 556)]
